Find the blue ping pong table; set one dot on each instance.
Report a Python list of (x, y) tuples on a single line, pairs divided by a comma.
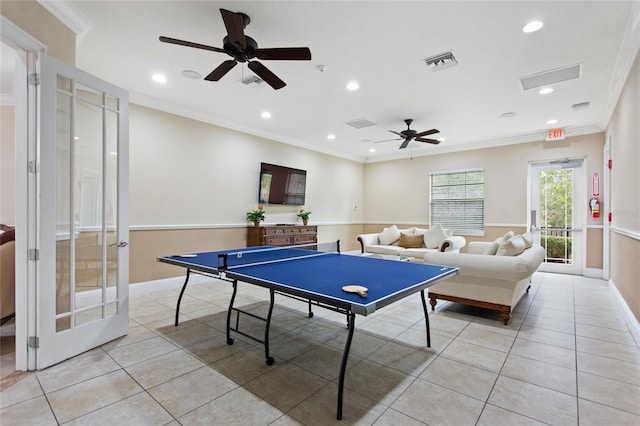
[(316, 278)]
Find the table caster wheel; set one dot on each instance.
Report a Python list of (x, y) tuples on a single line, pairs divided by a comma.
[(230, 341), (270, 360)]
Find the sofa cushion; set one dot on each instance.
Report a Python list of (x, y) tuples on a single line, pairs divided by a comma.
[(434, 236), (528, 239), (492, 248), (389, 235), (511, 247), (384, 249), (410, 241)]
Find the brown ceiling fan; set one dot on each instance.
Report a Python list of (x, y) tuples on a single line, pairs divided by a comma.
[(410, 134), (243, 48)]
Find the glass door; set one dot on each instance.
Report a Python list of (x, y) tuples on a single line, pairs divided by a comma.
[(556, 217), (83, 282)]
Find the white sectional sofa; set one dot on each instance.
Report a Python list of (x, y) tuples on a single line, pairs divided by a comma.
[(411, 242), (494, 281)]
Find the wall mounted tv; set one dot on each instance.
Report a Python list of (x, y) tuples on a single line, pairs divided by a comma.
[(282, 185)]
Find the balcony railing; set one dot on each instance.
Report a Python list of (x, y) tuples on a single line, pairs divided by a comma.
[(557, 243)]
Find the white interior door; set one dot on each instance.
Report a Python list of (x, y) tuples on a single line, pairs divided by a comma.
[(556, 216), (82, 285)]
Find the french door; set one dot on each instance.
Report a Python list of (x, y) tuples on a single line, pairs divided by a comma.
[(556, 217), (82, 284)]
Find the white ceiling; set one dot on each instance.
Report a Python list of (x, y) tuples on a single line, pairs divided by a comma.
[(382, 46)]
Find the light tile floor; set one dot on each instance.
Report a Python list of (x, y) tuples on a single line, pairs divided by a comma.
[(566, 358)]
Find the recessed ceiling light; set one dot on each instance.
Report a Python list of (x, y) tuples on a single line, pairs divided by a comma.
[(372, 150), (441, 139), (159, 78), (193, 75), (546, 90), (532, 26), (265, 114), (508, 114), (353, 85), (331, 137), (552, 121)]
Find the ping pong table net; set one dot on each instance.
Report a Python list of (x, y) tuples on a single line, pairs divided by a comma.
[(254, 256)]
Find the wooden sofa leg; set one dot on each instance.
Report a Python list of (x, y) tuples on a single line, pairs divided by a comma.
[(506, 314), (528, 288), (432, 302)]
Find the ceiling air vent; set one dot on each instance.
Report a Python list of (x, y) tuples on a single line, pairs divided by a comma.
[(581, 105), (441, 61), (547, 78), (360, 123)]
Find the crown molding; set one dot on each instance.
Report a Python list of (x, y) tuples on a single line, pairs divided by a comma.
[(70, 15), (627, 53)]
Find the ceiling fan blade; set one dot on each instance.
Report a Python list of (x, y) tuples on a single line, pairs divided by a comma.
[(427, 133), (405, 143), (387, 140), (433, 141), (190, 44), (397, 133), (221, 70), (266, 74), (235, 28), (284, 54)]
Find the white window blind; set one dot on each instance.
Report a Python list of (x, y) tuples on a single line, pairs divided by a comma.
[(457, 201)]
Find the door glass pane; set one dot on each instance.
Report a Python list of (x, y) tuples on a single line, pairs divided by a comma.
[(88, 202), (63, 204), (556, 214), (111, 201)]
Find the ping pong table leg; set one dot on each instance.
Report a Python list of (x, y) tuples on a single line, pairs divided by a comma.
[(351, 320), (229, 311), (184, 287), (426, 317), (269, 359)]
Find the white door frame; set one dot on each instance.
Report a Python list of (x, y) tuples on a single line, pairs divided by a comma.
[(579, 232), (26, 141)]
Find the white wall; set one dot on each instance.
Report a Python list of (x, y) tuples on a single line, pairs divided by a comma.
[(398, 191), (184, 172), (7, 166)]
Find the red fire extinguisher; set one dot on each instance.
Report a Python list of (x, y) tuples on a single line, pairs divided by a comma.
[(594, 206)]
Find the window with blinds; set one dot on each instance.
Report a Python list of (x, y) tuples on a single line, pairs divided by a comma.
[(457, 201)]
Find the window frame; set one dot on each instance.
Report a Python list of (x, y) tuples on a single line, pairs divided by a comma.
[(472, 227)]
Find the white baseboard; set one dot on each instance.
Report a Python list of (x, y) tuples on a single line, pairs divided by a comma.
[(146, 287), (632, 321), (92, 297), (593, 273)]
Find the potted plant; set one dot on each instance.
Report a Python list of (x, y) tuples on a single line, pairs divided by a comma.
[(256, 216), (304, 215)]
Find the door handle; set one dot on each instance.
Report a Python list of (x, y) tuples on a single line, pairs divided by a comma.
[(122, 243)]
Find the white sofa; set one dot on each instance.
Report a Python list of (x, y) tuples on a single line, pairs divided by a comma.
[(492, 281), (411, 242)]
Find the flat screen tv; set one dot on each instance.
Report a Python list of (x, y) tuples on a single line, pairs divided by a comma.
[(282, 185)]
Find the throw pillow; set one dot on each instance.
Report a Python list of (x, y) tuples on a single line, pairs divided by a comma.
[(528, 239), (508, 235), (493, 248), (434, 236), (511, 247), (410, 241), (389, 235)]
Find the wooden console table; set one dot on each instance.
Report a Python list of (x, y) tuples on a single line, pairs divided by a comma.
[(281, 235)]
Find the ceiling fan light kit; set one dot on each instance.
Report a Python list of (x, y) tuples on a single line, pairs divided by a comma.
[(243, 48)]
